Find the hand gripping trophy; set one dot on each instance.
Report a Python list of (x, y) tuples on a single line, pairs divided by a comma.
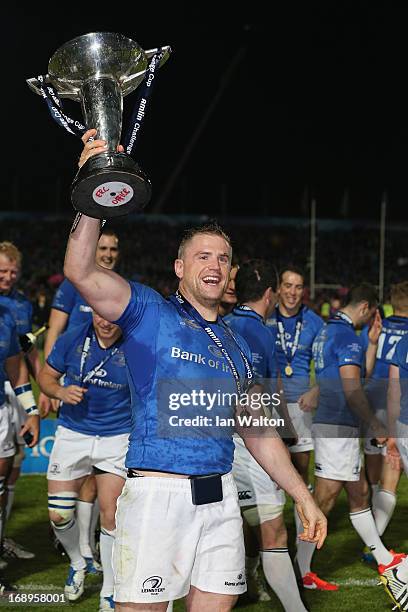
[(98, 70)]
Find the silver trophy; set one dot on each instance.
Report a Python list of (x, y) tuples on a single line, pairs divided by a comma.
[(98, 70)]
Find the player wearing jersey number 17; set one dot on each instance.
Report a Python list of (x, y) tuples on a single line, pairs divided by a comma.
[(384, 477), (343, 406), (395, 579)]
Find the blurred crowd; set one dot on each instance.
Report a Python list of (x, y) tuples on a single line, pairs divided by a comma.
[(344, 256)]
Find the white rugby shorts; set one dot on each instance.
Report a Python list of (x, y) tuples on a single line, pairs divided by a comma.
[(337, 452), (164, 543), (74, 454), (7, 445), (254, 485), (302, 423), (18, 414)]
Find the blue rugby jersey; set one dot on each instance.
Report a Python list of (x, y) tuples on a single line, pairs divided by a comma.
[(400, 359), (336, 345), (260, 339), (9, 345), (168, 350), (393, 329), (69, 300), (105, 409), (20, 309), (299, 382)]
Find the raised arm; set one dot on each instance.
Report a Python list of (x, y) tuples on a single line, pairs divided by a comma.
[(104, 290)]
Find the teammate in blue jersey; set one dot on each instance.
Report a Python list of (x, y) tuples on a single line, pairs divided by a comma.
[(381, 475), (13, 368), (395, 579), (68, 310), (261, 500), (296, 327), (21, 311), (339, 362), (91, 437), (180, 480)]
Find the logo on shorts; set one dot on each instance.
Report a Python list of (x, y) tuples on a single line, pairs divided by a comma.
[(244, 495), (318, 467), (55, 468), (240, 581), (153, 585)]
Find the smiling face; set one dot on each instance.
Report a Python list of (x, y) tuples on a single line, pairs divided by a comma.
[(204, 269), (9, 273), (107, 251), (291, 292)]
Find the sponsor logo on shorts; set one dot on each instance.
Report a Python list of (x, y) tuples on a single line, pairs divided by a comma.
[(244, 495), (152, 585), (318, 467), (240, 581), (55, 468)]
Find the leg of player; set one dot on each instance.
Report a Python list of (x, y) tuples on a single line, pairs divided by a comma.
[(325, 494), (373, 465), (18, 416), (109, 487), (363, 522), (203, 601), (62, 497), (256, 588), (84, 512), (276, 562), (301, 462), (6, 463), (385, 499)]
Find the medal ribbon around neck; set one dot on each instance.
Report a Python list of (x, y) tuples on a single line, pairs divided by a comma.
[(186, 308), (295, 345), (84, 357)]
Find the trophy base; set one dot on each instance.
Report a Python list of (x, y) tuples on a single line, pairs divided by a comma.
[(110, 185)]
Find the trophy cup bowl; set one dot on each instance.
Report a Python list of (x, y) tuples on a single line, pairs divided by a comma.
[(98, 70)]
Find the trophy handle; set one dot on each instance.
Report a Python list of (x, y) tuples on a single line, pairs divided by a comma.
[(72, 94), (130, 83)]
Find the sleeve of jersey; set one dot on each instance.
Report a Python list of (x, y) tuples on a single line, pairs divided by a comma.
[(14, 348), (64, 299), (350, 352), (140, 298), (56, 359)]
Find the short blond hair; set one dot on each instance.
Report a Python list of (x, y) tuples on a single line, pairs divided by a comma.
[(213, 229), (399, 296), (11, 251)]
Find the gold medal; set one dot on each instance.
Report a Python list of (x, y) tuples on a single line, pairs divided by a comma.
[(288, 370)]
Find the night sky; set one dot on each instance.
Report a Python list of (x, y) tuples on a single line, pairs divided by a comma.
[(318, 98)]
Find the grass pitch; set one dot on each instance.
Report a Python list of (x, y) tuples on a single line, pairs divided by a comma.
[(338, 561)]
